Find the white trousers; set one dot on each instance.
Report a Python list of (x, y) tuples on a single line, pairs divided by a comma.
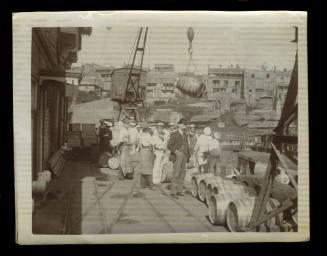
[(158, 166)]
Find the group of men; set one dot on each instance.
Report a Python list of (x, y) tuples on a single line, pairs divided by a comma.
[(146, 147)]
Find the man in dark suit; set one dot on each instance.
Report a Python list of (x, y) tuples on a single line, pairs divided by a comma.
[(180, 154)]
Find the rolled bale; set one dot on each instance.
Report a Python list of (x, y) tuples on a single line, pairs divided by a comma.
[(218, 205), (190, 85)]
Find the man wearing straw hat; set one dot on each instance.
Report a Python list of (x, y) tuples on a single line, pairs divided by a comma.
[(180, 152), (105, 136)]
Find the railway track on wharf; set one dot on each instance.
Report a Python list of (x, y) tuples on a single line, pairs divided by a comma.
[(98, 202), (204, 224), (135, 192), (126, 202)]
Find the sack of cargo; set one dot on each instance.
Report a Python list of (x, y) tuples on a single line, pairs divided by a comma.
[(103, 160), (113, 163)]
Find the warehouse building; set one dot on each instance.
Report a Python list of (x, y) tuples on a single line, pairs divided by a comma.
[(53, 87)]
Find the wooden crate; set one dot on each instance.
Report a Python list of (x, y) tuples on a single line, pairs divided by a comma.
[(89, 134), (73, 135), (89, 141), (74, 143), (88, 127), (75, 127)]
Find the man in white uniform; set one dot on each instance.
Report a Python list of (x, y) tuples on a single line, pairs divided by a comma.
[(202, 148), (160, 148)]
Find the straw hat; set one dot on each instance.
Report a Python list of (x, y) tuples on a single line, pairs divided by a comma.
[(132, 123), (108, 123), (207, 131)]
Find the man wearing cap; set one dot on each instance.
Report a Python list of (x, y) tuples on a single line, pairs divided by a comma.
[(105, 136), (180, 153), (160, 147)]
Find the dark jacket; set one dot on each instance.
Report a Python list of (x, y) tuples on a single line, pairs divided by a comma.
[(105, 133), (179, 142)]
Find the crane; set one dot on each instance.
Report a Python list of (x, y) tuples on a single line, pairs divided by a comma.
[(131, 95)]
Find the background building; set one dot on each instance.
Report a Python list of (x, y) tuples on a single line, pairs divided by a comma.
[(90, 84), (104, 80), (225, 80), (161, 83), (258, 83)]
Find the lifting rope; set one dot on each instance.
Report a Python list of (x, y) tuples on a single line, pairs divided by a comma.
[(190, 36)]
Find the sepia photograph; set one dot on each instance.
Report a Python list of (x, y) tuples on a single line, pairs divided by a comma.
[(161, 129)]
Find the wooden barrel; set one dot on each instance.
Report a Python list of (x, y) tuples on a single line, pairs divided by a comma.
[(218, 205), (216, 185), (238, 214), (212, 183), (202, 189), (190, 85), (201, 181), (194, 187)]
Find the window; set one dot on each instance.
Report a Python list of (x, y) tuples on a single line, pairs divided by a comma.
[(104, 75), (252, 76), (237, 83), (226, 83), (215, 90), (268, 75), (217, 82)]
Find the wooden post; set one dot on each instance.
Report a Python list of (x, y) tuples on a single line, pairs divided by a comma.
[(261, 200)]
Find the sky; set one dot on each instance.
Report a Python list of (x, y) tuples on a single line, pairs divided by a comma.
[(248, 47)]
